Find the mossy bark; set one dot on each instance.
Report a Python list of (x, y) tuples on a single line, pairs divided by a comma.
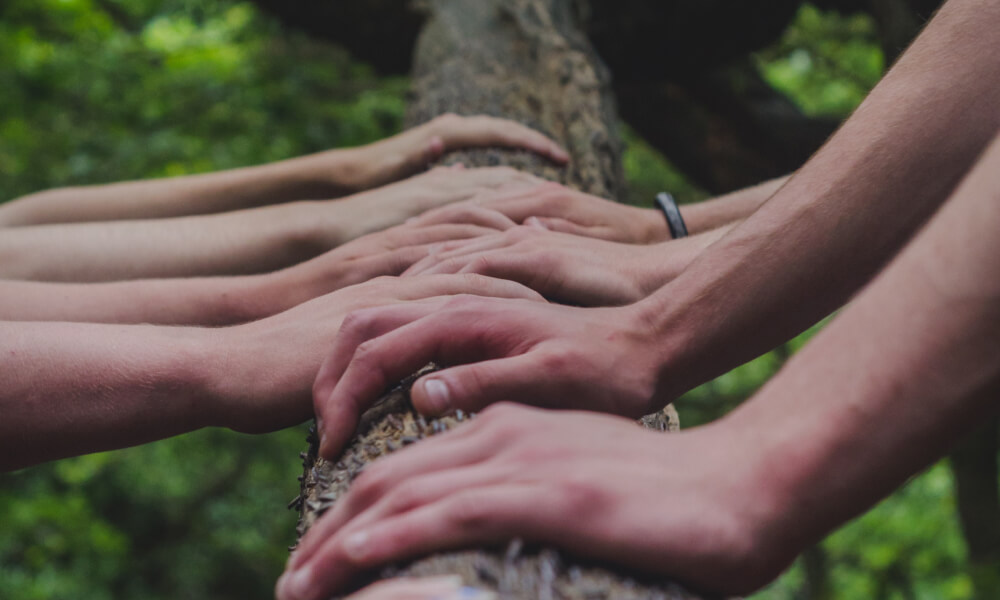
[(525, 60)]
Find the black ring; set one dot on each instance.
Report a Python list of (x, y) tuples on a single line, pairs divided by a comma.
[(675, 222)]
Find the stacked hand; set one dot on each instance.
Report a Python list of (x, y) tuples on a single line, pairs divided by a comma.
[(558, 208), (563, 267), (686, 506), (266, 369), (600, 359)]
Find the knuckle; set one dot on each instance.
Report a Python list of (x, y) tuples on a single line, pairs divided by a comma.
[(469, 511), (370, 484), (579, 494), (356, 322), (480, 266), (555, 361)]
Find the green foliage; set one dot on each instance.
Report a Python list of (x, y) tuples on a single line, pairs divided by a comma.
[(103, 90), (825, 62)]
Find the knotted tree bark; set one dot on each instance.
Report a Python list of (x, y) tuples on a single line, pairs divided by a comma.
[(526, 60)]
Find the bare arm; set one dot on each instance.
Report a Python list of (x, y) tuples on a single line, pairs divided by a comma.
[(900, 375), (729, 208), (215, 301), (324, 175), (843, 215), (805, 252), (72, 388), (250, 241)]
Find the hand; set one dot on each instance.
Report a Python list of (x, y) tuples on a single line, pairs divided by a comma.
[(566, 268), (349, 218), (689, 506), (267, 368), (387, 252), (562, 209), (408, 152), (602, 359)]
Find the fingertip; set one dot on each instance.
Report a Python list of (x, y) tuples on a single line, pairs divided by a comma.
[(435, 147), (536, 223), (431, 396), (559, 154)]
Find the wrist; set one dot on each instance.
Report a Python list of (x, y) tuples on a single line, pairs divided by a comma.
[(659, 263), (753, 506), (230, 374), (653, 226)]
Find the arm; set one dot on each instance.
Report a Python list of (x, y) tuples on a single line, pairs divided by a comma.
[(324, 175), (215, 301), (242, 242), (846, 212), (812, 245), (72, 388), (888, 387)]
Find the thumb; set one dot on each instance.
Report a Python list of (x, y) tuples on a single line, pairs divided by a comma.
[(475, 386)]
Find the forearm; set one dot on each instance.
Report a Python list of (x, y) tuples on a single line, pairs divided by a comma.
[(325, 175), (840, 218), (243, 242), (205, 301), (899, 376), (75, 388), (729, 208), (656, 265)]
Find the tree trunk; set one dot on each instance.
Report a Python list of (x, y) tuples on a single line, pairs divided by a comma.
[(526, 60)]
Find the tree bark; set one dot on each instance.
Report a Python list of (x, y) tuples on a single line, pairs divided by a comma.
[(526, 60)]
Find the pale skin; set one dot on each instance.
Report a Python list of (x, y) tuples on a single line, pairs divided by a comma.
[(819, 238), (214, 301), (568, 268), (256, 240), (558, 208), (74, 388), (902, 373), (596, 253), (327, 174)]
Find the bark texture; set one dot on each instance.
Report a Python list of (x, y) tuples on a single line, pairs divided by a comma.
[(526, 60)]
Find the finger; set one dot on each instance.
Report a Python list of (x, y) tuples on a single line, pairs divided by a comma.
[(467, 283), (393, 491), (336, 421), (475, 516), (489, 131), (560, 225), (441, 232), (465, 213), (472, 387), (432, 265), (379, 349)]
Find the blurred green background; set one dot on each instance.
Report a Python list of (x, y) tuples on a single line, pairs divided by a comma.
[(103, 90)]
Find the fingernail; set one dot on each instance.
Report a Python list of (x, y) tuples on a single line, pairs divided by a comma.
[(438, 396), (295, 585), (356, 545), (471, 593), (559, 153), (535, 222)]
